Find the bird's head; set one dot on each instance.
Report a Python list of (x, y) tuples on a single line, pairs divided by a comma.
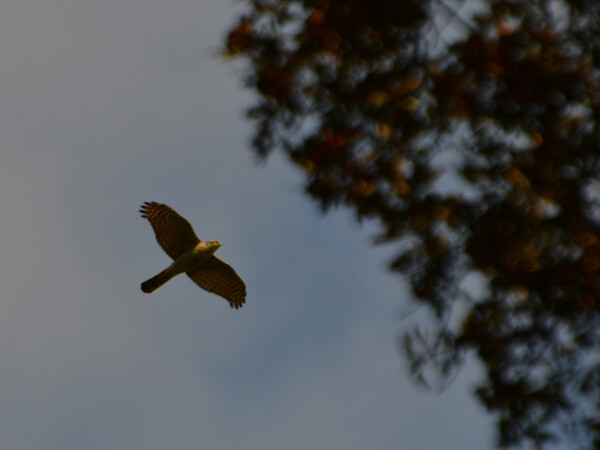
[(213, 245)]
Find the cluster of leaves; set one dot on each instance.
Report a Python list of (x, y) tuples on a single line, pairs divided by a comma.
[(477, 153)]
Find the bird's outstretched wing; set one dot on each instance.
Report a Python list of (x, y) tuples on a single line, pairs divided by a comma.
[(174, 234), (218, 277)]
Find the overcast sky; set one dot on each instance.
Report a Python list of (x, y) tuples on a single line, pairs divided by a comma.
[(105, 105)]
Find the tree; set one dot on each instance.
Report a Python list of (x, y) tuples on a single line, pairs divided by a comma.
[(472, 139)]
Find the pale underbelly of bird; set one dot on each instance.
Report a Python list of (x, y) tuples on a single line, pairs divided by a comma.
[(190, 260)]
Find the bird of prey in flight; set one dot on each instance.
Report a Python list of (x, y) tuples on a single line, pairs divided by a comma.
[(190, 256)]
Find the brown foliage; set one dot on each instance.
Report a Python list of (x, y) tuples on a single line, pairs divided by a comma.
[(368, 100)]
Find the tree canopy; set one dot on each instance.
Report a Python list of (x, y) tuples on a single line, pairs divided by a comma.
[(469, 132)]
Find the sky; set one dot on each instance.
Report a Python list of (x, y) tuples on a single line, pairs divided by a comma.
[(105, 105)]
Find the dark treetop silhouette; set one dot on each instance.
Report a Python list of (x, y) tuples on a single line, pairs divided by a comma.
[(375, 102)]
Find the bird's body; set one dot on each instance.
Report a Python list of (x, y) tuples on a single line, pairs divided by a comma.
[(191, 259), (191, 256)]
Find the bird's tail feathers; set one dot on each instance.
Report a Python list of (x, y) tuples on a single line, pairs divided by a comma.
[(155, 282)]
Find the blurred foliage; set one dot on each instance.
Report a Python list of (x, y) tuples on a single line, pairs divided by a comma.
[(468, 131)]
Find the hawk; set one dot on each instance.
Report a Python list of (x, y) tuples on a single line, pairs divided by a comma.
[(190, 256)]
